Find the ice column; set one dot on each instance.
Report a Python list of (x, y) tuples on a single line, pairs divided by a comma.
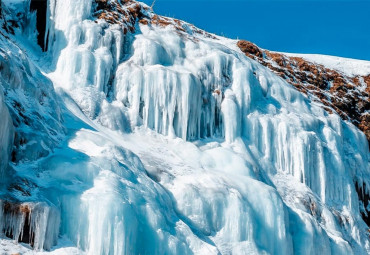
[(6, 135)]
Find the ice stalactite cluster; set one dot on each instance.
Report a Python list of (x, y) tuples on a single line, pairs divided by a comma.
[(33, 223), (94, 51)]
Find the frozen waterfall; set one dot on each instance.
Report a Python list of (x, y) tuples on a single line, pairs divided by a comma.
[(177, 143)]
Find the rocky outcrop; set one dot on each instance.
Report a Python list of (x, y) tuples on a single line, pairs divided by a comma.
[(40, 7), (129, 13), (125, 14)]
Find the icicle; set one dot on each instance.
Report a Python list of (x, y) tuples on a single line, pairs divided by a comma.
[(33, 223), (6, 135)]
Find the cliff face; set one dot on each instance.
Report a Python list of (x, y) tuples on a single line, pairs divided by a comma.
[(136, 133)]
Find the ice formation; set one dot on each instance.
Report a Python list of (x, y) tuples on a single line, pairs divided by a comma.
[(34, 223), (6, 135), (29, 95), (166, 141)]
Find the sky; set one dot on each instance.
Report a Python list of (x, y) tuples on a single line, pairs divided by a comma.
[(331, 27)]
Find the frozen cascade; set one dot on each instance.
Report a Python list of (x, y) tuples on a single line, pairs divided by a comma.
[(172, 85), (267, 171), (191, 87)]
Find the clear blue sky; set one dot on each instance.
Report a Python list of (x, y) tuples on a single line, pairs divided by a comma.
[(332, 27)]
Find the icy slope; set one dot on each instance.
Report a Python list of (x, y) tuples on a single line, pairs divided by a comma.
[(177, 143)]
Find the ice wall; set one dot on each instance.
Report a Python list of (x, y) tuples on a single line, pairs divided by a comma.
[(30, 128)]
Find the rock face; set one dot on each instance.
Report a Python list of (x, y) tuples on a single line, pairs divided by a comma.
[(349, 96), (131, 12), (41, 9)]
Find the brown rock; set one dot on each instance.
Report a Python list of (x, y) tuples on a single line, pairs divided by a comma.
[(248, 47)]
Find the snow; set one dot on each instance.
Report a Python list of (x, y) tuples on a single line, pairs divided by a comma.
[(179, 144), (347, 66), (64, 247)]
